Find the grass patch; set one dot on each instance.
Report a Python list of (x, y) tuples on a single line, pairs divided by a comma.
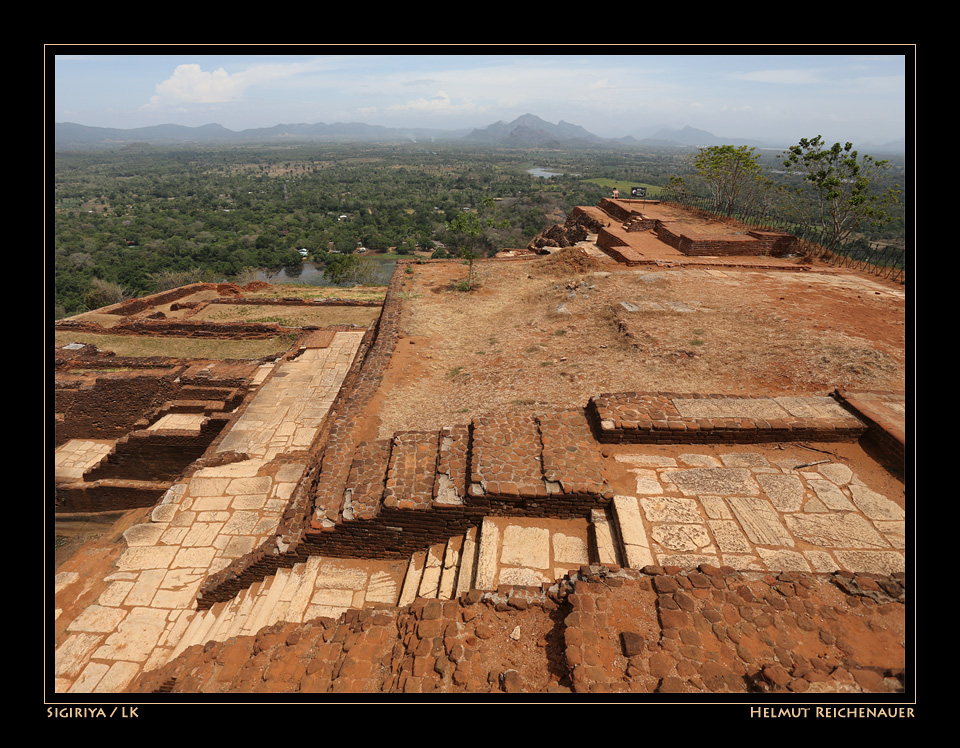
[(212, 348)]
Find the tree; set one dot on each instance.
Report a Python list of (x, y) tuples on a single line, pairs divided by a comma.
[(732, 174), (843, 188), (352, 270)]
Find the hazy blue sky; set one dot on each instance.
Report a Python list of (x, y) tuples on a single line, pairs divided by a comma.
[(859, 95)]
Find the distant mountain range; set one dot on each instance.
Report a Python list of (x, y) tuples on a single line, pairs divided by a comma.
[(527, 131)]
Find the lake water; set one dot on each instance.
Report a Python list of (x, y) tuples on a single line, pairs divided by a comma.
[(538, 172), (309, 274)]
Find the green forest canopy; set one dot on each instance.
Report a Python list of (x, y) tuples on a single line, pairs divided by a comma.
[(140, 214)]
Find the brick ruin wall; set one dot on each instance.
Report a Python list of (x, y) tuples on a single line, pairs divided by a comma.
[(106, 496), (160, 454), (135, 306), (108, 405), (751, 243)]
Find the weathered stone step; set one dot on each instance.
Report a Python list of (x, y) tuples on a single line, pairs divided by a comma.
[(283, 597), (412, 470), (444, 571), (537, 456), (367, 480)]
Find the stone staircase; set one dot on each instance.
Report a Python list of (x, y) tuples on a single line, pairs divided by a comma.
[(442, 571)]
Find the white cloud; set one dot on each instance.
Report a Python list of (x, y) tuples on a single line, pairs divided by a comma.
[(795, 76), (440, 102), (190, 84)]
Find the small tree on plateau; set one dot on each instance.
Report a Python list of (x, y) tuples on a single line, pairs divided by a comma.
[(842, 188), (731, 173)]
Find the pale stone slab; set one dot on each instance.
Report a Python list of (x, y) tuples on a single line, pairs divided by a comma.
[(670, 509), (696, 460), (568, 549), (241, 523), (682, 538), (647, 483), (211, 503), (135, 638), (744, 459), (208, 486), (786, 492), (202, 534), (894, 531), (646, 460), (411, 582), (839, 474), (875, 505), (115, 593), (332, 598), (489, 553), (196, 558), (74, 652), (184, 421), (238, 545), (382, 588), (835, 530), (686, 561), (243, 469), (163, 512), (603, 537), (451, 562), (760, 521), (831, 495), (430, 581), (290, 473), (743, 562), (335, 576), (249, 501), (715, 507), (873, 562), (118, 677), (468, 556), (633, 534), (715, 481), (89, 678), (260, 484), (729, 537), (147, 533), (64, 579), (821, 561), (98, 619), (782, 560), (146, 587), (733, 407), (522, 577), (526, 546), (814, 407)]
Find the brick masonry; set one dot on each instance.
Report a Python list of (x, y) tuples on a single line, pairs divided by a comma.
[(660, 630)]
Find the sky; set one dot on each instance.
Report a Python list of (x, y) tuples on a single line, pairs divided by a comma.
[(861, 95)]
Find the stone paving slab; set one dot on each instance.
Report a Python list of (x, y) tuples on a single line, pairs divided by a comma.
[(73, 458), (203, 524), (631, 417), (530, 552), (748, 512)]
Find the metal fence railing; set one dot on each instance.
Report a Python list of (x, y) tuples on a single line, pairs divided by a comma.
[(884, 260)]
